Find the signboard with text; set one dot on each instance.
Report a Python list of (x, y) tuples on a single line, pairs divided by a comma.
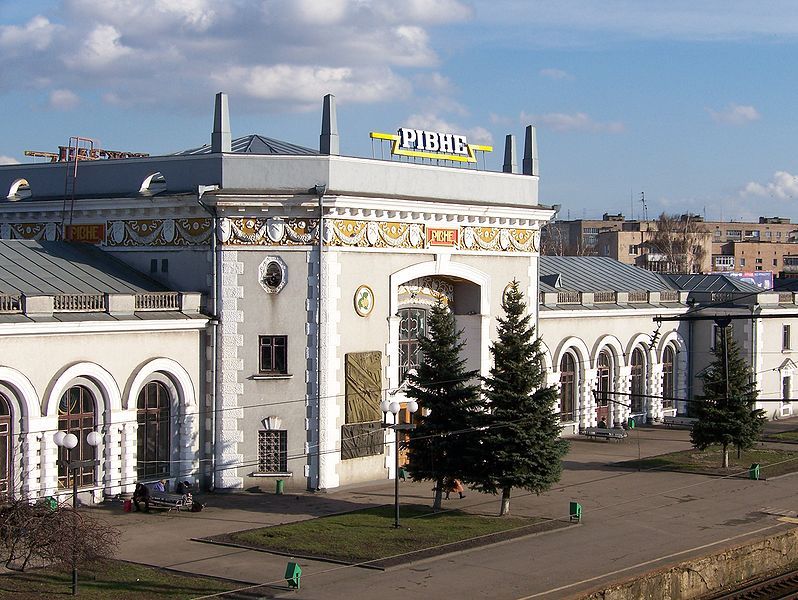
[(431, 144), (440, 236), (90, 233)]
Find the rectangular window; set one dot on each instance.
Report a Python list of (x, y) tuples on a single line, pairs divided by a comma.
[(768, 235), (272, 451), (775, 262), (633, 249), (742, 262), (778, 234), (717, 336), (786, 389), (164, 265), (717, 233), (752, 233), (785, 337), (759, 261), (154, 265), (273, 356), (734, 234)]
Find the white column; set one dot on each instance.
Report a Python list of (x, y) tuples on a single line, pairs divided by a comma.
[(129, 436), (587, 401), (623, 385), (330, 403), (655, 389), (31, 444)]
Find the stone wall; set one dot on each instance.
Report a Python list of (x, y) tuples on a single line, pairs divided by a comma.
[(695, 578)]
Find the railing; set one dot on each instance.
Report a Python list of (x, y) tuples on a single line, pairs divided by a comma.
[(158, 301), (638, 296), (785, 297), (10, 303), (79, 303), (721, 297), (605, 297), (569, 297), (669, 296)]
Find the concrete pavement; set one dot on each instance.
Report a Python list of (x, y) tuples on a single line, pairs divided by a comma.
[(633, 522)]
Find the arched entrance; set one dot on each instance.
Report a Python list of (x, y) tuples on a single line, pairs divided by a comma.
[(6, 459), (153, 437), (77, 414)]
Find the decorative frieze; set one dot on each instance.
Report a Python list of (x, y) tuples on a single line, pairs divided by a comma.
[(159, 232), (44, 231)]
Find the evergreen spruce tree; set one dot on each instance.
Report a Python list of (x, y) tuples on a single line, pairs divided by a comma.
[(728, 419), (521, 446), (442, 445)]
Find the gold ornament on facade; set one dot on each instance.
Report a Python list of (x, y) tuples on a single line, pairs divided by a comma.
[(159, 232)]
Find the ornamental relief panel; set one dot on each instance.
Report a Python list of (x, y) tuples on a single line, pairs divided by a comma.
[(159, 232), (47, 231), (278, 231)]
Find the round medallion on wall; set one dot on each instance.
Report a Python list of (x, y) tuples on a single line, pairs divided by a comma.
[(364, 301), (272, 274)]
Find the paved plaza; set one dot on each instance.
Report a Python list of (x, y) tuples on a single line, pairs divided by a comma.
[(633, 522)]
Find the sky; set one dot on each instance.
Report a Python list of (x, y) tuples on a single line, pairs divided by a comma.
[(687, 105)]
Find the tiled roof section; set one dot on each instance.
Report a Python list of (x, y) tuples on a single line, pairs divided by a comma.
[(39, 268), (256, 144), (596, 274), (711, 283)]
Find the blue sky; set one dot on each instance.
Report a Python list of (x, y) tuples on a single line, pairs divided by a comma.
[(690, 103)]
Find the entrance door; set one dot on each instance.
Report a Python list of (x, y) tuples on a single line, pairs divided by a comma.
[(5, 447), (602, 397)]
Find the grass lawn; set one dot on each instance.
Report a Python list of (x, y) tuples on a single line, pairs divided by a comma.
[(368, 534), (789, 436), (772, 462), (108, 580)]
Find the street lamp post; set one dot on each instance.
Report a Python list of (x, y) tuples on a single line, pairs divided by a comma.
[(394, 408), (70, 441)]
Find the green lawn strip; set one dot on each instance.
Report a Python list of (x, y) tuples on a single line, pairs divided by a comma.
[(786, 436), (773, 462), (108, 580), (368, 534)]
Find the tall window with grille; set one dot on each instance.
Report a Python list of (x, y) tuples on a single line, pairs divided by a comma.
[(412, 327), (76, 414), (272, 451), (5, 447), (785, 337), (668, 377), (567, 387), (153, 436), (604, 379), (638, 381), (273, 356)]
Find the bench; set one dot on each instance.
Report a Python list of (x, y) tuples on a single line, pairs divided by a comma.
[(171, 501), (679, 421), (601, 433)]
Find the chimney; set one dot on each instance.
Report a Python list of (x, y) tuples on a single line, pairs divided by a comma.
[(530, 166), (220, 138), (510, 164), (328, 140)]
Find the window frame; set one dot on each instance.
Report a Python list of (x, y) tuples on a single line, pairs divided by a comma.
[(568, 383), (80, 424), (637, 381), (785, 337), (159, 416), (412, 355), (282, 452), (668, 376), (277, 344)]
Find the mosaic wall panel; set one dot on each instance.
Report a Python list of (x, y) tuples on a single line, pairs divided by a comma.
[(159, 232), (498, 239), (274, 231)]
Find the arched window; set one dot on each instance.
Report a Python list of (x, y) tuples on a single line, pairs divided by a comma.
[(668, 377), (638, 381), (76, 414), (412, 327), (567, 387), (5, 446), (604, 378), (153, 448)]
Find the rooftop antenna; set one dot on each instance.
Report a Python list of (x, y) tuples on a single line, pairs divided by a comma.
[(645, 208)]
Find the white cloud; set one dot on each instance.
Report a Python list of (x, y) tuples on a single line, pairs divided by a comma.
[(63, 100), (572, 122), (8, 160), (37, 34), (555, 74), (783, 186), (433, 122), (735, 114)]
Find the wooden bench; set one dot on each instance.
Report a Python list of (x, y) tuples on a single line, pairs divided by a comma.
[(679, 421), (171, 501), (601, 433)]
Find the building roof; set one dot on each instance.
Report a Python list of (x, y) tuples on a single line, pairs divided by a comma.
[(41, 268), (256, 144), (711, 283), (595, 274)]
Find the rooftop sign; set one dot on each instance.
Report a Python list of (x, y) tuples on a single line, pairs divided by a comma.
[(431, 144)]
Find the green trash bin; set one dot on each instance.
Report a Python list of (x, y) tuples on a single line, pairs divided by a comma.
[(753, 471), (576, 511), (279, 486), (292, 574), (630, 423)]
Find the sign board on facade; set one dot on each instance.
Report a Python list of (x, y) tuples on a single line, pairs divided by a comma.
[(90, 233), (761, 279), (431, 144), (442, 236)]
